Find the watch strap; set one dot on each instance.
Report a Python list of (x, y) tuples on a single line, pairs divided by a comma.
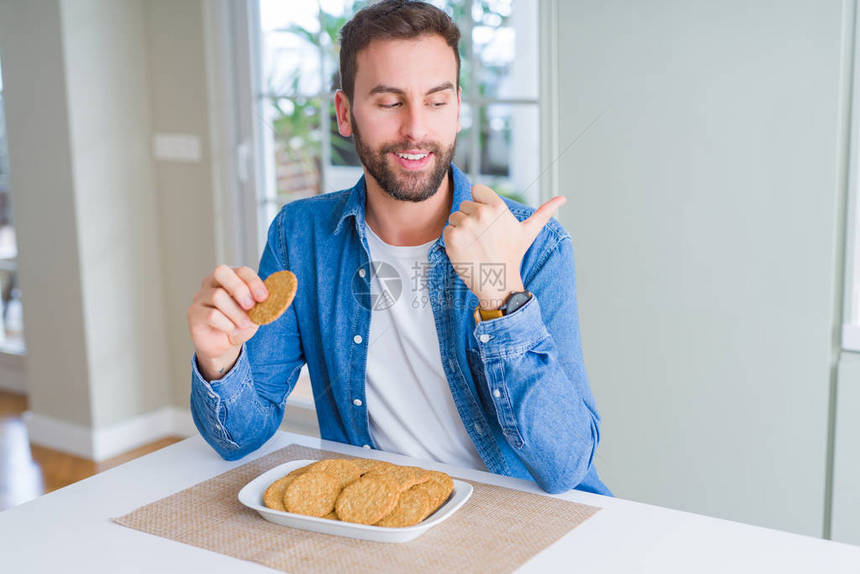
[(512, 302), (487, 314)]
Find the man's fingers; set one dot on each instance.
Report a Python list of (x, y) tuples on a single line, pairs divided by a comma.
[(468, 207), (227, 305), (541, 216), (239, 337), (234, 285), (483, 194), (217, 320), (254, 283), (456, 218)]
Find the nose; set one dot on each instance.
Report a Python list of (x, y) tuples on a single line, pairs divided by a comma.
[(414, 123)]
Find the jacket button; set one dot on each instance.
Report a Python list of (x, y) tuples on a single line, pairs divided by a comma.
[(357, 339), (497, 393), (479, 429), (365, 446), (356, 402), (484, 338)]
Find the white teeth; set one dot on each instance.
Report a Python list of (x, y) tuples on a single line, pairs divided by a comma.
[(413, 157)]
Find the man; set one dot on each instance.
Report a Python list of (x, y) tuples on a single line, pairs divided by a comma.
[(478, 362)]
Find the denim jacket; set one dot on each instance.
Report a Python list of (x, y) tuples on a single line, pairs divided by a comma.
[(518, 382)]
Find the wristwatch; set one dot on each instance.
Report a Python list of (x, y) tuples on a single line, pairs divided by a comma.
[(512, 302)]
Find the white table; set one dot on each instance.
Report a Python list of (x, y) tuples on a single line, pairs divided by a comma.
[(70, 530)]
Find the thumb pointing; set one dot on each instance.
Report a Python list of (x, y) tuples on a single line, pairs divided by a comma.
[(538, 220)]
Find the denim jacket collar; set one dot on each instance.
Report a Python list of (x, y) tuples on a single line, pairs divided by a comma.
[(354, 206)]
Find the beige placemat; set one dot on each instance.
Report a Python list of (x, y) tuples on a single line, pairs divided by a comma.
[(497, 530)]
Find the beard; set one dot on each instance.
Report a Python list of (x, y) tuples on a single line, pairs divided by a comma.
[(405, 186)]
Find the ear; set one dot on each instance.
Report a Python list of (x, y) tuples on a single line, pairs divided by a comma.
[(341, 107)]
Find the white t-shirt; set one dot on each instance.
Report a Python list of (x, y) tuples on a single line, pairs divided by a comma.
[(409, 403)]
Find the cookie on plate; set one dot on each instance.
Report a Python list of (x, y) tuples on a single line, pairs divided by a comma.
[(312, 494), (438, 489), (412, 507), (367, 500), (367, 465), (274, 496), (405, 476), (344, 470)]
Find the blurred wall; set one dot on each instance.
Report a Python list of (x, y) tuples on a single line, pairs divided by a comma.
[(118, 240), (116, 236), (113, 243), (706, 207), (43, 198), (184, 190)]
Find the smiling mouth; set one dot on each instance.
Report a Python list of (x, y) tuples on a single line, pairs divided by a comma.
[(413, 156), (413, 160)]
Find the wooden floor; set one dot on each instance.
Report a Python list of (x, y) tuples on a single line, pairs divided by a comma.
[(28, 471)]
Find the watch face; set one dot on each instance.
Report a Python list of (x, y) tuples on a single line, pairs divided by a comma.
[(516, 300)]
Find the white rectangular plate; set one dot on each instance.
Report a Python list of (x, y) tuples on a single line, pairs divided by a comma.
[(252, 493)]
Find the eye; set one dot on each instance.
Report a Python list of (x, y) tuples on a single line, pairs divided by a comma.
[(438, 104), (390, 106)]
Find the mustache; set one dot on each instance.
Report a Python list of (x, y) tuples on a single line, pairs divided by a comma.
[(407, 146)]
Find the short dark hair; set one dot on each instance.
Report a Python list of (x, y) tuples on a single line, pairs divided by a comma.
[(392, 20)]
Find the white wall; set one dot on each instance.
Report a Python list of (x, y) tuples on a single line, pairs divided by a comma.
[(177, 64), (118, 232), (706, 210), (43, 199), (83, 193), (846, 472), (113, 244)]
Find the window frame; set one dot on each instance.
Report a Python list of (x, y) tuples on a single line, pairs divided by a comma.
[(13, 348), (851, 280)]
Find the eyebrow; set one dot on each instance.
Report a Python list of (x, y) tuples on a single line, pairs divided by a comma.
[(383, 89)]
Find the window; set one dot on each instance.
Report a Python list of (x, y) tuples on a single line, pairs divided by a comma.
[(303, 153), (11, 324)]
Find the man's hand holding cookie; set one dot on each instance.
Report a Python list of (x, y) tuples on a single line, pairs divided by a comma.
[(227, 310), (218, 317)]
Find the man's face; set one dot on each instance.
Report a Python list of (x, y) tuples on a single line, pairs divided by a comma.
[(405, 114)]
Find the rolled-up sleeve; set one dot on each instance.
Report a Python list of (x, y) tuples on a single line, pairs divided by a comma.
[(534, 368), (239, 412)]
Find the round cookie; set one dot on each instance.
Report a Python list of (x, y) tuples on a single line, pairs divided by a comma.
[(344, 470), (312, 494), (368, 464), (438, 488), (412, 507), (405, 476), (282, 286), (274, 496), (367, 500)]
